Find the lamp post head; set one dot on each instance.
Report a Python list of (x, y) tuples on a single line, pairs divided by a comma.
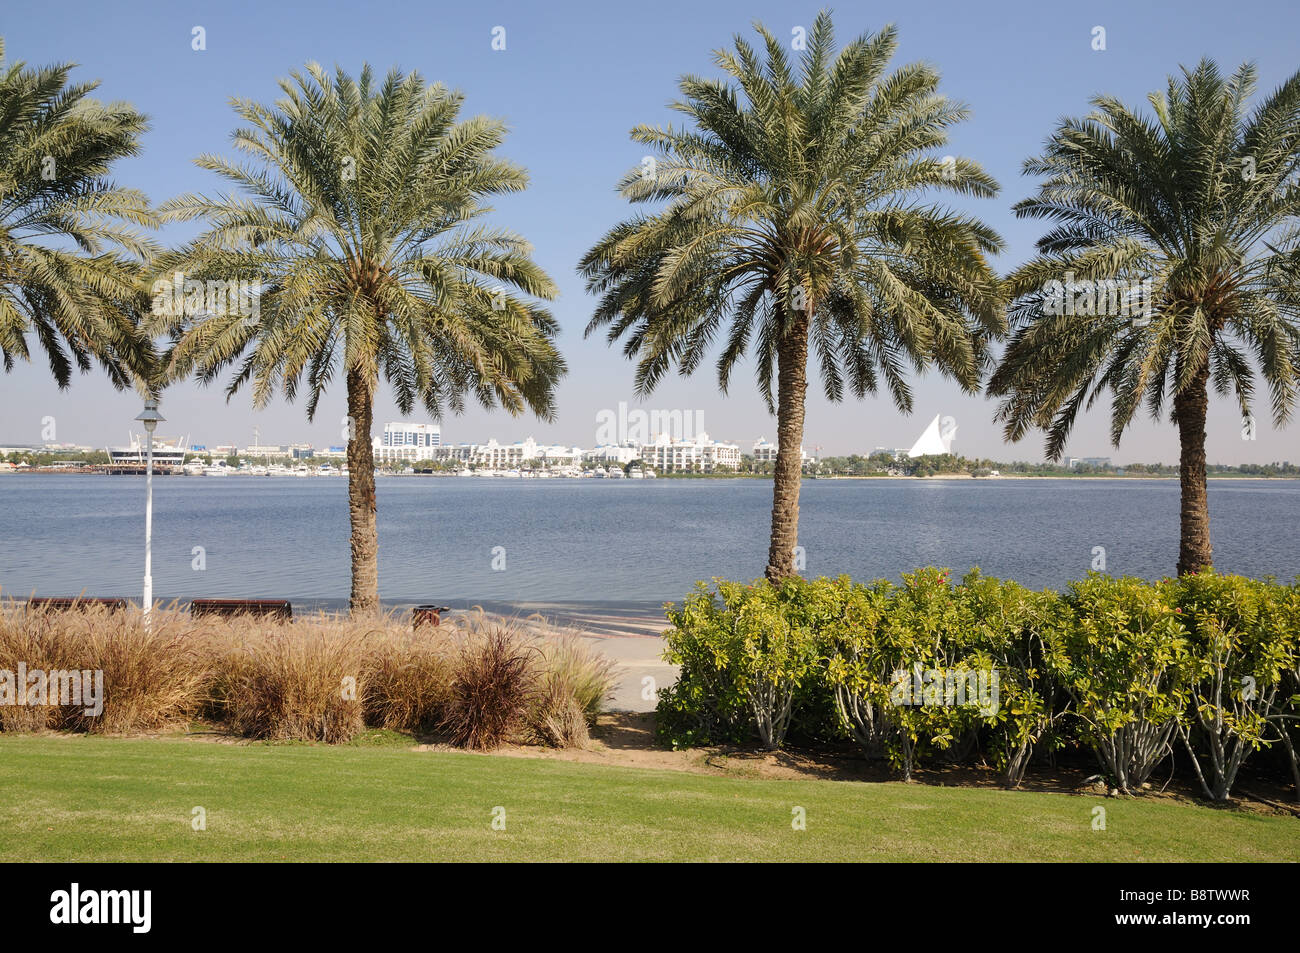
[(150, 416)]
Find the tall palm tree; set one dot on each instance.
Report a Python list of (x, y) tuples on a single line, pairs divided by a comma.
[(71, 260), (795, 220), (358, 218), (1201, 201)]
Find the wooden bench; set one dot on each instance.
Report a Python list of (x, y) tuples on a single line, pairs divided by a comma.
[(64, 603), (279, 609)]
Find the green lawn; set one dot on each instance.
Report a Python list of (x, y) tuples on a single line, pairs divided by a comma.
[(91, 798)]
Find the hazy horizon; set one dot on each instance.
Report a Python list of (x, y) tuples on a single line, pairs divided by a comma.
[(570, 84)]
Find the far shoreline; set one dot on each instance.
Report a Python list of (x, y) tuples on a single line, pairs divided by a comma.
[(51, 471)]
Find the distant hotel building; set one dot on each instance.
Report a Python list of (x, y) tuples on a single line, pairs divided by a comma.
[(666, 455), (410, 443), (617, 453), (407, 442), (765, 452), (498, 456)]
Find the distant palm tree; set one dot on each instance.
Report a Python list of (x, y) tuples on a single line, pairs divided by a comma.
[(794, 219), (358, 221), (1203, 201), (71, 264)]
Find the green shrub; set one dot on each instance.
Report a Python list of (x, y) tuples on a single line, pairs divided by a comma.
[(1012, 626), (985, 667), (706, 704), (744, 652), (928, 631), (1120, 655), (860, 668), (1242, 640), (1286, 712)]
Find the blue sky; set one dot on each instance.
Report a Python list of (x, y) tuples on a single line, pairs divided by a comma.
[(574, 77)]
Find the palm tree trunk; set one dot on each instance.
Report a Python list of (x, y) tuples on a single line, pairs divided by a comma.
[(791, 390), (361, 496), (1190, 407)]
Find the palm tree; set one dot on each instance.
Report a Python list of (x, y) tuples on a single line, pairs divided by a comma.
[(794, 220), (71, 262), (1199, 202), (358, 219)]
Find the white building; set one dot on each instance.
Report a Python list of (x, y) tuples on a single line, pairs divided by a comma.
[(557, 455), (665, 454), (504, 456), (403, 442), (765, 452), (621, 454), (703, 454)]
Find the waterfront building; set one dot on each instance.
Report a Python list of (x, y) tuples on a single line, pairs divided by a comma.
[(558, 455), (765, 452), (702, 453), (494, 455), (621, 454), (406, 442), (401, 441), (503, 456)]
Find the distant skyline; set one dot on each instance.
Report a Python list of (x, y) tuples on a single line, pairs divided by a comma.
[(571, 82)]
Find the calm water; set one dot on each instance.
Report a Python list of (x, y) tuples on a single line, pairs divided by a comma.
[(600, 540)]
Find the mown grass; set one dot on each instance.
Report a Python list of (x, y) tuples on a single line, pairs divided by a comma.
[(91, 798)]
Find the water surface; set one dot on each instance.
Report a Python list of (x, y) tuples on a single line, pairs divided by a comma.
[(602, 541)]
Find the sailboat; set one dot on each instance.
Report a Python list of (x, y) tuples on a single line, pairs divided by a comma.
[(932, 441)]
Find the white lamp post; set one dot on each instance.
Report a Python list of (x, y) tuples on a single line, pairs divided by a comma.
[(150, 418)]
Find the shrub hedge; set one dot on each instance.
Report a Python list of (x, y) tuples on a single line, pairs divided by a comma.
[(987, 669)]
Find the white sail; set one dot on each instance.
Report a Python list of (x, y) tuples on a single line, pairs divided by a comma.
[(932, 441)]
